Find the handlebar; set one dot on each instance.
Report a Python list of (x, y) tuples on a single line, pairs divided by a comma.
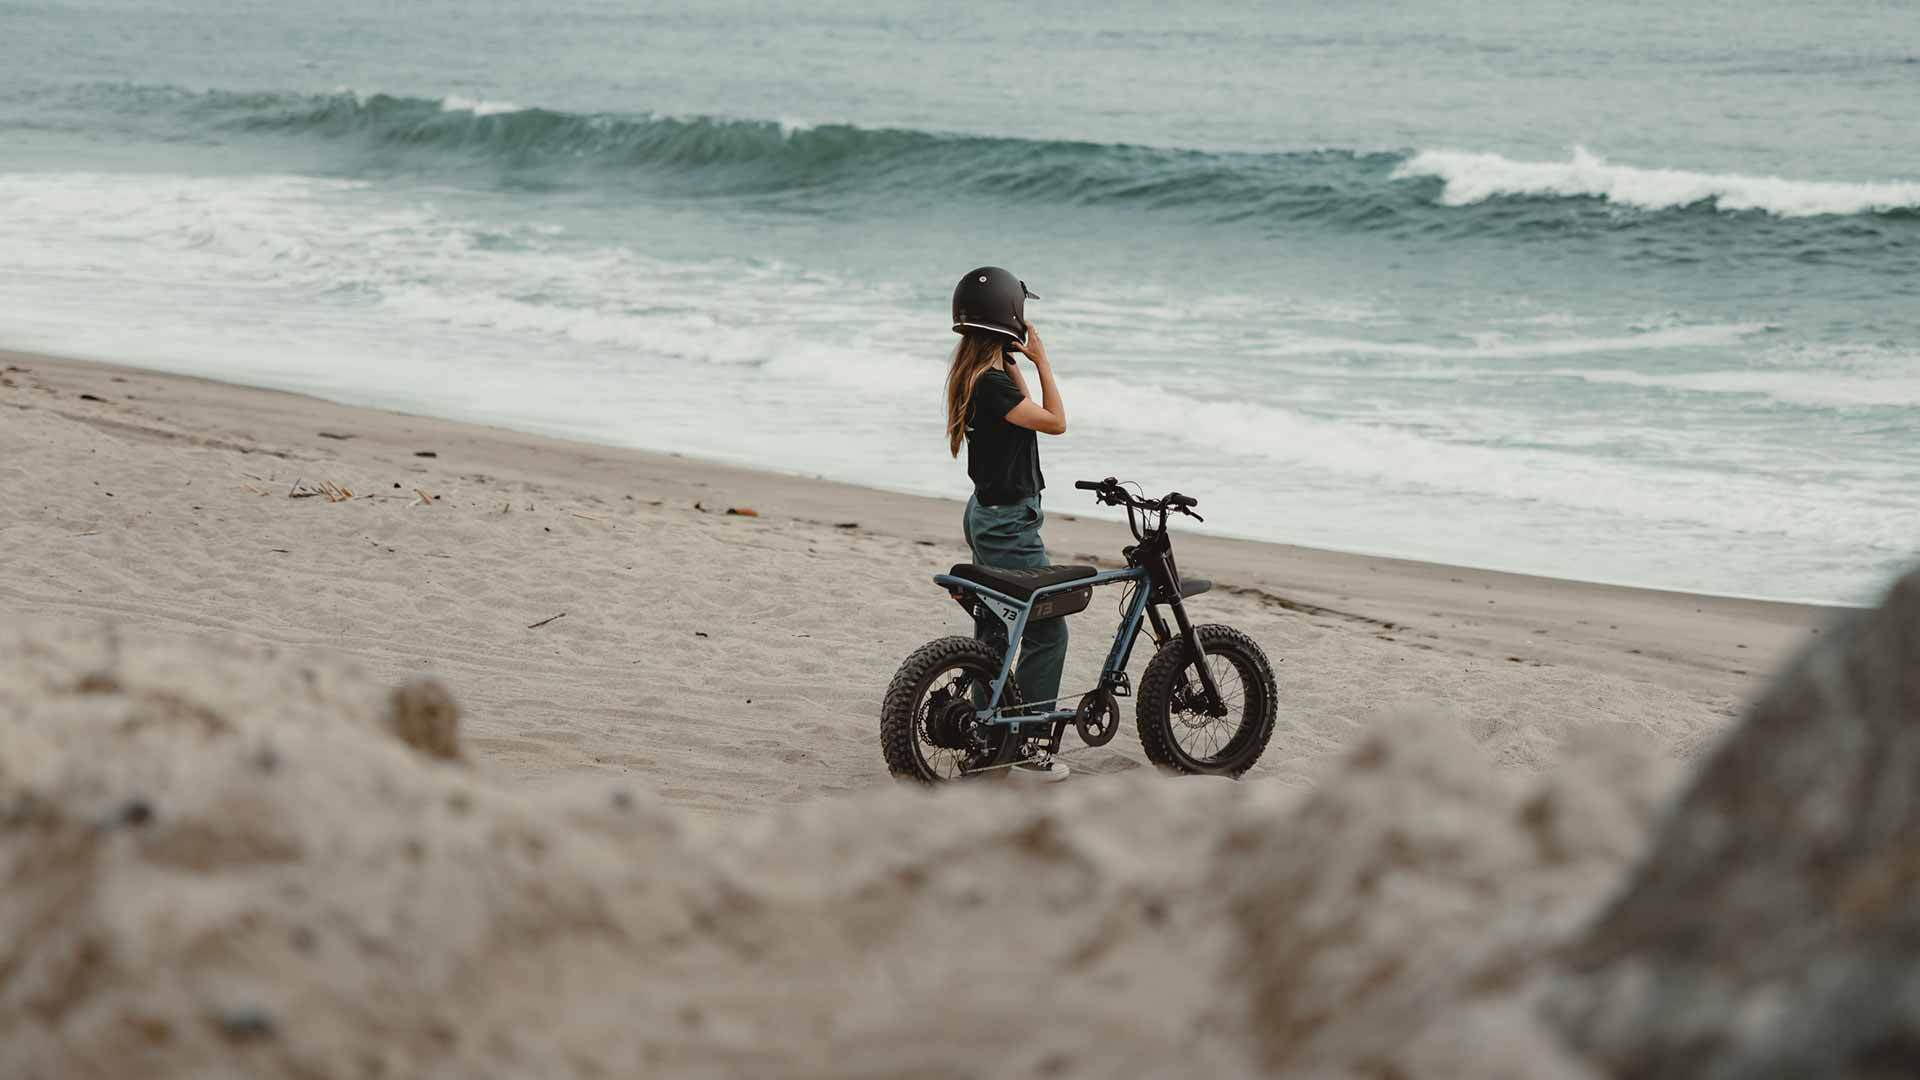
[(1111, 492)]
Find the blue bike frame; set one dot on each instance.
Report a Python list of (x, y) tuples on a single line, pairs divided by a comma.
[(1015, 614)]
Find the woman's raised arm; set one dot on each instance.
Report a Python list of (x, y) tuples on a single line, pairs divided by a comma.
[(1049, 416)]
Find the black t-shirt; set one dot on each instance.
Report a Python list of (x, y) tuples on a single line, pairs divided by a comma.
[(1003, 459)]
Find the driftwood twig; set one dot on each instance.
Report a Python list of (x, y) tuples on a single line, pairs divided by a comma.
[(325, 489), (545, 621)]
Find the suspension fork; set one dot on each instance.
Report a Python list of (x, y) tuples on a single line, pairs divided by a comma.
[(1213, 704), (1169, 584)]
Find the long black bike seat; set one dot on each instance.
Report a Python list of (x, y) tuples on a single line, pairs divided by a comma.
[(1019, 583)]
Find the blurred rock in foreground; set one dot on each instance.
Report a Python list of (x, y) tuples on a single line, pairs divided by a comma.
[(1398, 922), (225, 862), (1774, 930)]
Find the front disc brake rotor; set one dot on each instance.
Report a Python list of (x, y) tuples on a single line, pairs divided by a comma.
[(1098, 718)]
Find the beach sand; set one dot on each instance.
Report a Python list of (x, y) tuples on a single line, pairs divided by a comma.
[(241, 860), (558, 807), (598, 610)]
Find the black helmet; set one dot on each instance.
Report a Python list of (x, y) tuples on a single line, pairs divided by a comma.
[(992, 299)]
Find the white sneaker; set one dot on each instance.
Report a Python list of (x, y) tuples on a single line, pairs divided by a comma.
[(1040, 772)]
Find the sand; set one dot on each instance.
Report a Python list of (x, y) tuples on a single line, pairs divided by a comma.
[(729, 662), (218, 860), (341, 743)]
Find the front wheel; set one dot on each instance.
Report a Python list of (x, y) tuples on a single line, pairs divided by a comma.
[(1176, 730), (928, 728)]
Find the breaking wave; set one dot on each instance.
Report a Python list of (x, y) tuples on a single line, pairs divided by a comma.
[(1475, 178), (1448, 192)]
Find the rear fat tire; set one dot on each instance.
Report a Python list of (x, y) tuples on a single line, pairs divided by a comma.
[(1169, 668), (899, 739)]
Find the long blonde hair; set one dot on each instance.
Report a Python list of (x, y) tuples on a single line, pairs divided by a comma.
[(971, 358)]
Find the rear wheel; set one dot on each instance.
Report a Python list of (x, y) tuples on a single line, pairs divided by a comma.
[(928, 729), (1177, 731)]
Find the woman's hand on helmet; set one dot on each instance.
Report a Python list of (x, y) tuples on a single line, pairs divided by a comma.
[(1035, 349), (1048, 415)]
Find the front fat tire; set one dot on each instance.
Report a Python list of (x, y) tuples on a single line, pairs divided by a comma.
[(1169, 665), (898, 738)]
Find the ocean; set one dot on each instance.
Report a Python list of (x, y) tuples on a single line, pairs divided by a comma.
[(1602, 291)]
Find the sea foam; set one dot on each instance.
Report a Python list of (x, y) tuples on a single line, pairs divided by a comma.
[(1476, 177), (456, 103), (1821, 389), (1497, 346)]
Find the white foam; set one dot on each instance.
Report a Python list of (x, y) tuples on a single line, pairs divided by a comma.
[(456, 103), (1824, 389), (1474, 177), (1386, 458), (1493, 345)]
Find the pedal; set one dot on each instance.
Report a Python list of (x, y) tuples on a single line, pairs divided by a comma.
[(1120, 685)]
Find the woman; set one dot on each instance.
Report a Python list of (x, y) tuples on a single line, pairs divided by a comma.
[(989, 408)]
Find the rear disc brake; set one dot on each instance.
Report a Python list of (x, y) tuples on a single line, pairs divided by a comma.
[(950, 721)]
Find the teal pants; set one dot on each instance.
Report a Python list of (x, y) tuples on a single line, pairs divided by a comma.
[(1009, 537)]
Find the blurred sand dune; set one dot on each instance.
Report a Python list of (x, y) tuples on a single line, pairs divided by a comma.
[(227, 862)]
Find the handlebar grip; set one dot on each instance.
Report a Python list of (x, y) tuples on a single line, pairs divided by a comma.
[(1177, 499), (1088, 485)]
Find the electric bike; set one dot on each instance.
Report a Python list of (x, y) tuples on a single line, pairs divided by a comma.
[(1206, 702)]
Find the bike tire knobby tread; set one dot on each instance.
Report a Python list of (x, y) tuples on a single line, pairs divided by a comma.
[(897, 708), (1153, 714)]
